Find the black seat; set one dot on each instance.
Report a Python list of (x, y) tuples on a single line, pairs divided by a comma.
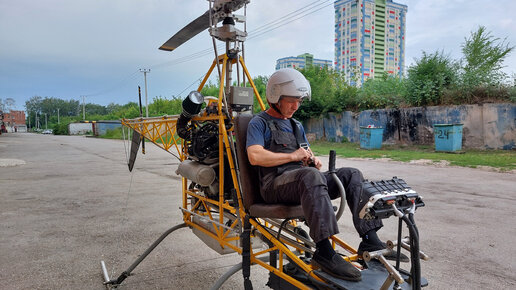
[(252, 199)]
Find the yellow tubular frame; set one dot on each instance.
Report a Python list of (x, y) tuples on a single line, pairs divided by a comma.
[(162, 132)]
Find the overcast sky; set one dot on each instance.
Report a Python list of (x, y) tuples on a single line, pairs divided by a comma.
[(66, 49)]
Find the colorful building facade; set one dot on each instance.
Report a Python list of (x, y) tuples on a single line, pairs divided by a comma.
[(369, 38), (302, 61)]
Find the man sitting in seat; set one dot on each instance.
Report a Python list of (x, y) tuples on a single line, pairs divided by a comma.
[(291, 174)]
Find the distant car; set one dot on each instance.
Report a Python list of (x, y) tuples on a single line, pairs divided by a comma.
[(47, 131)]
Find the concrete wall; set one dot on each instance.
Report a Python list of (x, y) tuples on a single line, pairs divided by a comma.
[(80, 128), (485, 126)]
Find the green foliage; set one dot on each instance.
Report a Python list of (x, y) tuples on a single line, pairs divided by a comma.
[(434, 79), (113, 134), (512, 90), (60, 129), (346, 98), (129, 111), (210, 89), (483, 58), (385, 92), (429, 77), (161, 106), (325, 83), (260, 83)]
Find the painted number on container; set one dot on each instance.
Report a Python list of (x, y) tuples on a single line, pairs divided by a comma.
[(443, 134)]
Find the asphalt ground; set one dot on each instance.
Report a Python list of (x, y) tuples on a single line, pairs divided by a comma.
[(68, 202)]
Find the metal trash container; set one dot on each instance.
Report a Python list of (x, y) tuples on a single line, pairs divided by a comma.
[(448, 137), (371, 137)]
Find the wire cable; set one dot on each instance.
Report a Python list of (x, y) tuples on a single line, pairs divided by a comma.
[(297, 14), (273, 25), (197, 80), (114, 87)]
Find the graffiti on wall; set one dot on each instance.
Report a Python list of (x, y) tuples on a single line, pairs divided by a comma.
[(486, 126)]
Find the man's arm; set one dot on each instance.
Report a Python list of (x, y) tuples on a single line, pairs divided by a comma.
[(260, 156)]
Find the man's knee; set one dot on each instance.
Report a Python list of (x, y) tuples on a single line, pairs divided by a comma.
[(349, 174), (312, 177)]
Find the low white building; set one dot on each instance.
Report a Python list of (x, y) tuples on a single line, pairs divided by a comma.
[(80, 128)]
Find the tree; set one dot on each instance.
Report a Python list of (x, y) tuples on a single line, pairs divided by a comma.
[(260, 82), (429, 77), (7, 104), (162, 106), (325, 84), (483, 59)]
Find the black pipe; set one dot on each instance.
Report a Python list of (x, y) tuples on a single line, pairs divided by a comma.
[(415, 271), (191, 106)]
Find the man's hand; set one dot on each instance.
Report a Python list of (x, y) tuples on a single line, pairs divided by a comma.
[(314, 161), (317, 163), (260, 156), (302, 155)]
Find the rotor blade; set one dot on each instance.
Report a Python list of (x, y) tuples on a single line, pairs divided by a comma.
[(192, 29), (141, 116), (135, 145)]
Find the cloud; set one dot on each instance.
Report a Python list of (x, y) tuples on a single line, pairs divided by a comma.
[(67, 48)]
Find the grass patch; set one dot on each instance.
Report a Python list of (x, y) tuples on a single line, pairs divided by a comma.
[(504, 160), (113, 134)]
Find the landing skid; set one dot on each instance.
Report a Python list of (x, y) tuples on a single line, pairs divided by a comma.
[(115, 282)]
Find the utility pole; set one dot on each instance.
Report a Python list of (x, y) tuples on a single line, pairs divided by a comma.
[(46, 123), (57, 115), (83, 109), (145, 71)]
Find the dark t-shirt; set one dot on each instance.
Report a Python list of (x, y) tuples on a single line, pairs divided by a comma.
[(258, 133)]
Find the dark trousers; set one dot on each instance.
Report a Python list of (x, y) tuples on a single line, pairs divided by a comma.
[(314, 190)]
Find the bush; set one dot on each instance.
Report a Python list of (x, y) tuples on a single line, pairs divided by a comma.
[(61, 129), (429, 77), (483, 59), (385, 92), (345, 98)]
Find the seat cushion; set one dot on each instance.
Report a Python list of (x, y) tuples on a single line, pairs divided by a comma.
[(280, 211)]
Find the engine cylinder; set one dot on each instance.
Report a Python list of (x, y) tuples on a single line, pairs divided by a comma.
[(201, 174)]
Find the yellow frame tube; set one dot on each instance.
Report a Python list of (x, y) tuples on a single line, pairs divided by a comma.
[(262, 106)]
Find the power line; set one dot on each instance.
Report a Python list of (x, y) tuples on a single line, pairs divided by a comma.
[(275, 24), (287, 21), (288, 16), (109, 89), (197, 80), (297, 14)]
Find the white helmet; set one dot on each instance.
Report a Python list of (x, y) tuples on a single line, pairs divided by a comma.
[(287, 82)]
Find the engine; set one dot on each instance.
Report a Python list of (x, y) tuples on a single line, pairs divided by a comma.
[(201, 141)]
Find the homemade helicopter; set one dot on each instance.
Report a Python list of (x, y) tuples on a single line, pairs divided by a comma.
[(221, 202)]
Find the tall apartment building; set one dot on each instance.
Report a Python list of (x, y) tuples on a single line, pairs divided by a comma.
[(369, 38), (302, 61)]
